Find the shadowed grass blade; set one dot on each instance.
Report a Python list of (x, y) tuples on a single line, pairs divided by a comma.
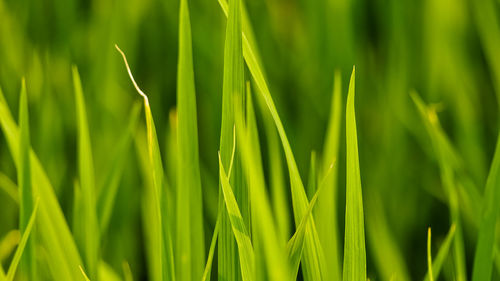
[(22, 244), (354, 268), (190, 246), (28, 263), (9, 187), (483, 260), (163, 235), (89, 238)]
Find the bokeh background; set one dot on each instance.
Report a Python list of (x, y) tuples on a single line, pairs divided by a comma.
[(446, 50)]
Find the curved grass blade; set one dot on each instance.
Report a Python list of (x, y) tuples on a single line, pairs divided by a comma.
[(22, 244), (164, 236), (241, 234), (107, 192), (53, 229), (354, 268), (483, 259), (84, 274), (89, 238), (190, 246), (442, 254), (28, 262)]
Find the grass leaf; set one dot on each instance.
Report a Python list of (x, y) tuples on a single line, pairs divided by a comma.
[(190, 236), (442, 254), (354, 268)]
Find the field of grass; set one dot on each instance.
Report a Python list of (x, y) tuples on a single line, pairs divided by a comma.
[(238, 140)]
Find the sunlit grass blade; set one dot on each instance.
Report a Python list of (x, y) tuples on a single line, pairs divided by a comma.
[(2, 273), (311, 181), (53, 229), (89, 238), (208, 266), (109, 188), (84, 274), (8, 244), (28, 263), (326, 212), (107, 273), (127, 272), (483, 259), (22, 244), (241, 234), (447, 165), (354, 268), (429, 255), (268, 248), (9, 187), (232, 91), (190, 246), (442, 254), (163, 235)]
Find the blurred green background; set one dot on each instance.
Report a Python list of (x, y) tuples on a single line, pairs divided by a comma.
[(446, 50)]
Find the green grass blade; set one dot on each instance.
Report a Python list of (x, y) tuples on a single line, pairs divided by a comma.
[(269, 249), (232, 91), (163, 235), (109, 188), (354, 268), (28, 263), (9, 187), (311, 181), (84, 274), (241, 234), (483, 259), (89, 239), (8, 244), (2, 273), (22, 244), (190, 252), (442, 254), (429, 255), (208, 267), (326, 212), (53, 229)]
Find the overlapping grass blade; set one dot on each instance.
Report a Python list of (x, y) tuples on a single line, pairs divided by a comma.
[(28, 263), (442, 254), (354, 268), (311, 181), (89, 238), (190, 246), (53, 229), (241, 234), (314, 266), (267, 245), (232, 92), (109, 188), (22, 244), (447, 165), (163, 236), (483, 259), (326, 211)]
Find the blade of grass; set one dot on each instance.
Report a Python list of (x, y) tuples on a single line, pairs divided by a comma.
[(232, 92), (22, 244), (164, 236), (442, 254), (7, 185), (84, 274), (190, 235), (483, 259), (109, 188), (429, 256), (208, 267), (8, 244), (241, 234), (28, 263), (326, 211), (89, 238), (53, 229), (354, 268)]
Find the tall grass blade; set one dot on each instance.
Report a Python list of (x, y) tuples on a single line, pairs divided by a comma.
[(190, 252), (354, 268), (208, 267), (429, 255), (28, 262), (163, 236), (483, 259), (53, 229), (89, 238), (22, 244)]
